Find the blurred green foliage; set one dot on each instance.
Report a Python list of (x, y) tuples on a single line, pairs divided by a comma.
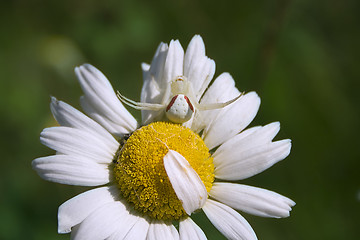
[(301, 56)]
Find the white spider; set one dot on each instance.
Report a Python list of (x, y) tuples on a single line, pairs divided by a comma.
[(182, 102)]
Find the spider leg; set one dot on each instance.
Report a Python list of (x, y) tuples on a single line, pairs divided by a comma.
[(139, 105), (212, 106)]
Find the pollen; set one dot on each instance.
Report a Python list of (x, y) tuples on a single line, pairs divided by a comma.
[(139, 169)]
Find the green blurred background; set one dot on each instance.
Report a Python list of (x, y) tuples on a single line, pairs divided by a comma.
[(302, 57)]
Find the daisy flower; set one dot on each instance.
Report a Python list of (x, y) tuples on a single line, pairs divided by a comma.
[(185, 155)]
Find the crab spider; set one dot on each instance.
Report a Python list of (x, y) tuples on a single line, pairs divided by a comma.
[(181, 105)]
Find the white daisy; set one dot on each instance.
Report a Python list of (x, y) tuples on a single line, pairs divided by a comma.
[(162, 172)]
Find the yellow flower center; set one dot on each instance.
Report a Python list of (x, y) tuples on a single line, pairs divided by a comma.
[(139, 169)]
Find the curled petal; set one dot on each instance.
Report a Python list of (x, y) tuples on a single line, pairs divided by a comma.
[(186, 182)]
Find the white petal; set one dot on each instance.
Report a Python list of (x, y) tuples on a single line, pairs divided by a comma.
[(229, 222), (124, 228), (159, 230), (185, 181), (139, 230), (68, 116), (72, 170), (151, 93), (113, 128), (154, 88), (232, 120), (194, 51), (252, 200), (230, 151), (189, 230), (156, 70), (101, 97), (247, 139), (173, 68), (101, 223), (148, 116), (174, 62), (76, 209), (77, 142), (239, 163), (198, 68), (222, 90)]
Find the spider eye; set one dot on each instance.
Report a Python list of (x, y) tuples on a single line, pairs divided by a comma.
[(180, 109), (179, 78)]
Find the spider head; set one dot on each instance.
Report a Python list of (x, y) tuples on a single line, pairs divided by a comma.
[(180, 86)]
